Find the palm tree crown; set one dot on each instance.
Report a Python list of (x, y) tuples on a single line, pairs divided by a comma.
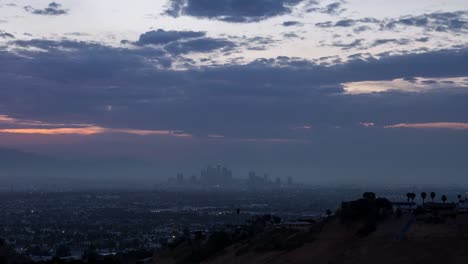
[(423, 196), (443, 198)]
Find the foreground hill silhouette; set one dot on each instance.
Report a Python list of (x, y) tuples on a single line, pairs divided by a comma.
[(370, 232), (9, 256)]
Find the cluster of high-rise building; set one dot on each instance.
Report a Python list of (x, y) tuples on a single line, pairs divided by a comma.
[(259, 180), (210, 175), (216, 175), (222, 176)]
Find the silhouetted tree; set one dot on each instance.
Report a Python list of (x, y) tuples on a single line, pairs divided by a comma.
[(443, 198), (238, 210), (276, 219), (433, 195), (408, 197), (62, 251), (328, 212), (369, 195), (459, 197), (423, 196), (413, 196)]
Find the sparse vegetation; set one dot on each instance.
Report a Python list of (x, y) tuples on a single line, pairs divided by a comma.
[(369, 209)]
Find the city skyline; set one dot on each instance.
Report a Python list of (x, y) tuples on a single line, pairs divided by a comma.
[(327, 91)]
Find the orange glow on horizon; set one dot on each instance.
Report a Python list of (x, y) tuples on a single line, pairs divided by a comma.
[(91, 130), (56, 131)]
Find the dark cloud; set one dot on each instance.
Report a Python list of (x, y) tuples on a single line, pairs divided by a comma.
[(360, 29), (78, 59), (345, 22), (236, 11), (335, 8), (441, 22), (380, 42), (257, 43), (359, 43), (291, 23), (74, 81), (53, 9), (340, 23), (346, 46), (290, 35), (182, 42), (429, 82), (6, 35), (77, 34), (161, 37), (423, 39), (326, 24), (199, 45)]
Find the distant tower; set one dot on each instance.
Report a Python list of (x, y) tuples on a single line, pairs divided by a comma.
[(218, 173), (278, 181), (266, 178), (193, 180), (252, 175), (180, 178)]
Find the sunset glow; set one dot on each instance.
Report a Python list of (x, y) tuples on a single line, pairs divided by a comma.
[(92, 130)]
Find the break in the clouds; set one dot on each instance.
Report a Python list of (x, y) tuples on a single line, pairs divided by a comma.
[(53, 9), (239, 11)]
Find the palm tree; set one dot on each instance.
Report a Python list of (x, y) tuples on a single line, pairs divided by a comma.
[(413, 196), (459, 197), (408, 197), (423, 196), (443, 198), (433, 195)]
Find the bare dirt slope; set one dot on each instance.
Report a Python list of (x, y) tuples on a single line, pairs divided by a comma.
[(423, 243)]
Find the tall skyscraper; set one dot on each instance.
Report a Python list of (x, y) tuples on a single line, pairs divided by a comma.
[(180, 178)]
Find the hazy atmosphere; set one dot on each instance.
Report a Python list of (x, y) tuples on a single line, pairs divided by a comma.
[(328, 92)]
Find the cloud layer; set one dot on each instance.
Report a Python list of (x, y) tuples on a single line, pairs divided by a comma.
[(53, 9), (237, 11)]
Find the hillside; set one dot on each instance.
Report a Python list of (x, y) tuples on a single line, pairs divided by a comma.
[(424, 243), (425, 237), (9, 256)]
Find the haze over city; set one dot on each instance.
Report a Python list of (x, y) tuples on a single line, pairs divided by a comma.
[(327, 92), (233, 131)]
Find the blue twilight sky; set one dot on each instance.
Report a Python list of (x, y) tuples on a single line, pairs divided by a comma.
[(327, 91)]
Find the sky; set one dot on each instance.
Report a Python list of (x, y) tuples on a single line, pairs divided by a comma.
[(324, 91)]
